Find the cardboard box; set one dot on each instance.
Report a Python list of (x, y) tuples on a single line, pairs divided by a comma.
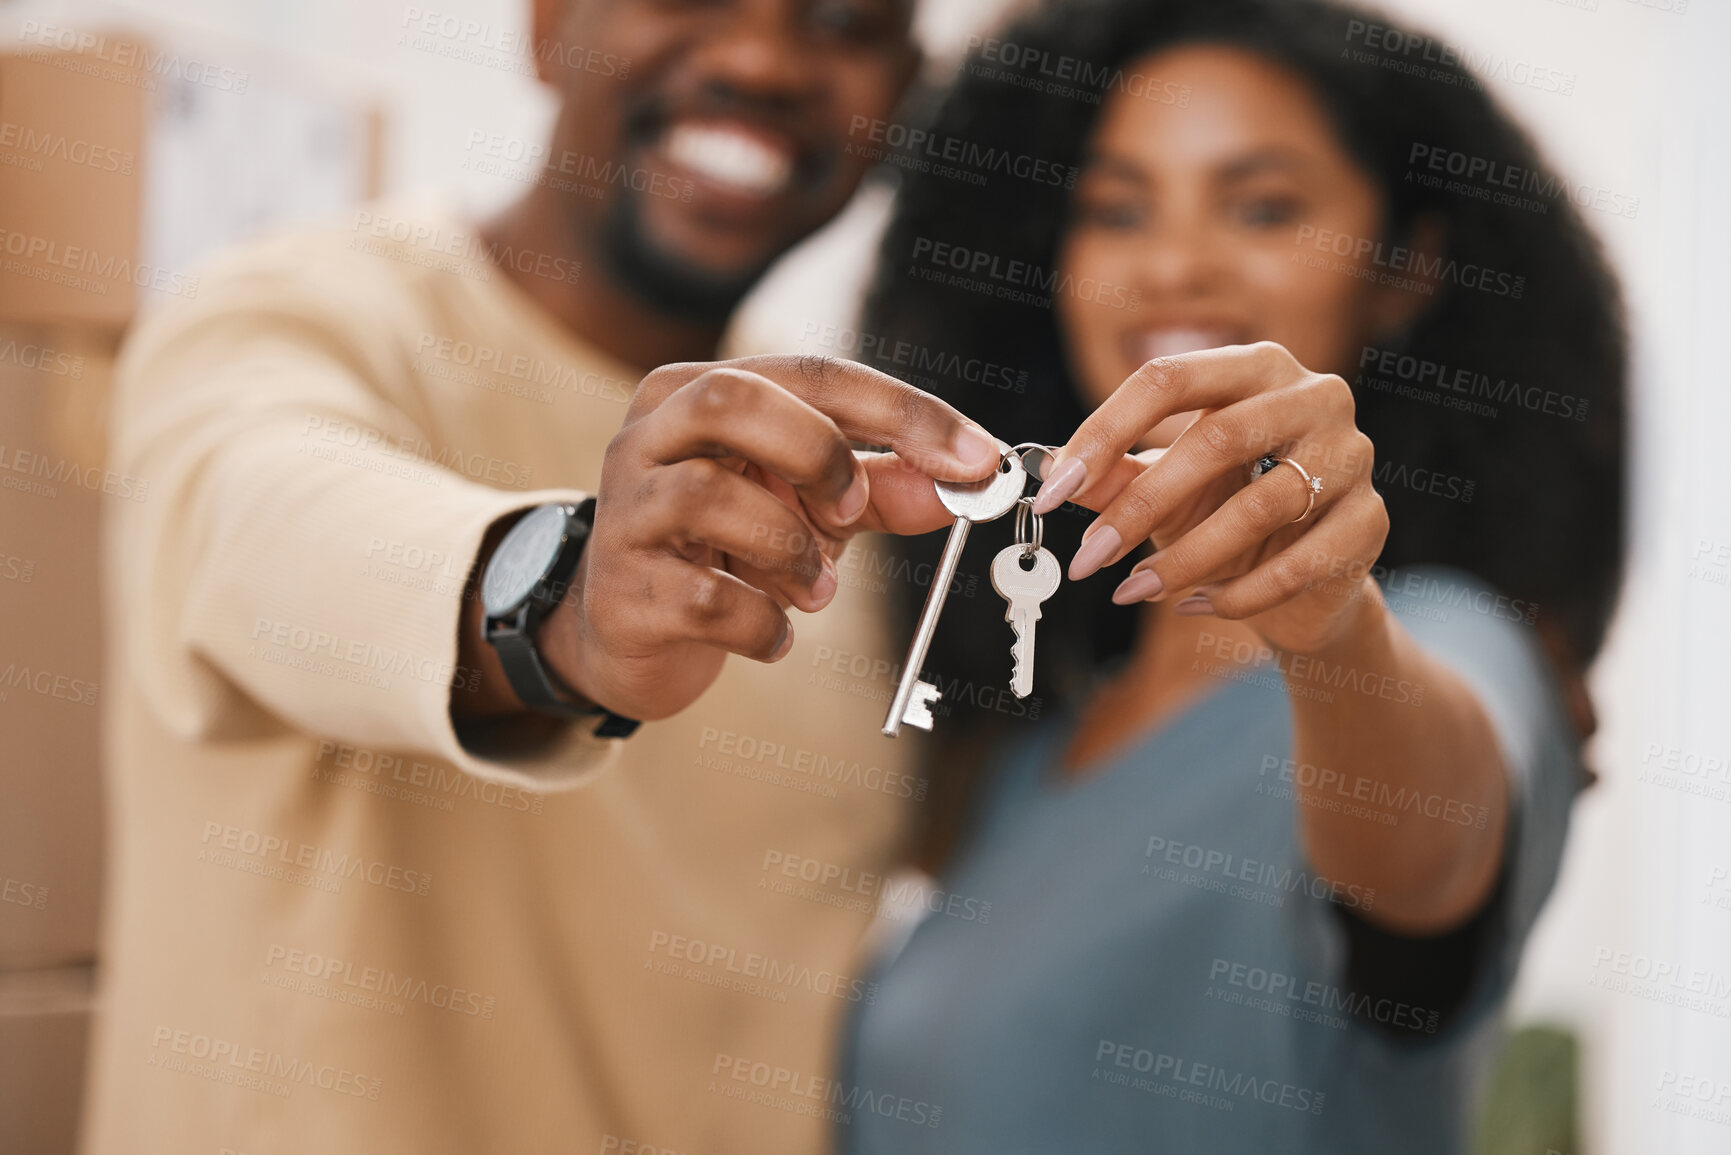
[(44, 1030), (71, 133), (53, 385)]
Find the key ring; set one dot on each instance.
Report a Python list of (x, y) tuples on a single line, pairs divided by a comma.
[(1035, 457), (1025, 510)]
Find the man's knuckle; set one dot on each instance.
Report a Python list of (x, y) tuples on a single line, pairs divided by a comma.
[(648, 489), (665, 378), (718, 394), (911, 407), (619, 445), (707, 600), (692, 478), (816, 369)]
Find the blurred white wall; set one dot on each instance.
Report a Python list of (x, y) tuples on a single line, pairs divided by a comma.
[(1643, 880), (1644, 119)]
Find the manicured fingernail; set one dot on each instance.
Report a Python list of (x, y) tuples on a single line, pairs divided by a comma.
[(824, 586), (1138, 587), (1098, 548), (781, 651), (853, 502), (975, 447), (1194, 606), (1059, 485)]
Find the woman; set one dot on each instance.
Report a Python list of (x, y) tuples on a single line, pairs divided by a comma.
[(1262, 849)]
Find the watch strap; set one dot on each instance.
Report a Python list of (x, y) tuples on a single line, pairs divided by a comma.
[(533, 681), (540, 688), (529, 676)]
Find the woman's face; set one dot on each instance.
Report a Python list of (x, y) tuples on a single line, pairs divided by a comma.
[(1200, 207)]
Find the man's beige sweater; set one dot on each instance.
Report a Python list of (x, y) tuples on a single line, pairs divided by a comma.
[(329, 927)]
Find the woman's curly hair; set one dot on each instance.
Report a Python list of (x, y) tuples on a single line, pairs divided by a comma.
[(1544, 522)]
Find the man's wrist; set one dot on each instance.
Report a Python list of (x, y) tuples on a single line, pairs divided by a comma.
[(559, 640), (548, 658), (492, 693)]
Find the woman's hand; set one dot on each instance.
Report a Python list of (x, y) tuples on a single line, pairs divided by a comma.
[(1237, 543), (1305, 588)]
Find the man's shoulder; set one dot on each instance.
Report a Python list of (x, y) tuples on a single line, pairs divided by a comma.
[(375, 252), (379, 271)]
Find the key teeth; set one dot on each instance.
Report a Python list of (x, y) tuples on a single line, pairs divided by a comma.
[(1019, 681), (919, 711)]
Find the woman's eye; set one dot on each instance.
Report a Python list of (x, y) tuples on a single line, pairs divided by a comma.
[(1109, 214), (1264, 212)]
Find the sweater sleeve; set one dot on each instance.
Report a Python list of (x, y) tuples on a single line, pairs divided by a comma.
[(298, 554)]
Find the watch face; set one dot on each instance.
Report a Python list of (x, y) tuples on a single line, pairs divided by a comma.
[(522, 559)]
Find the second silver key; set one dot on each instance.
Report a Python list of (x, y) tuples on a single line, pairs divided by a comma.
[(1025, 590)]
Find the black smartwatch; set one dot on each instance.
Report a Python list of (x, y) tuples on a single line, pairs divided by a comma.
[(526, 577)]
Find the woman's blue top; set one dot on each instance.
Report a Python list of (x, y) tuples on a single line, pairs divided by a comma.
[(1148, 963)]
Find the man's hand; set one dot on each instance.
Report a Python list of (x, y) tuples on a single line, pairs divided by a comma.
[(723, 501)]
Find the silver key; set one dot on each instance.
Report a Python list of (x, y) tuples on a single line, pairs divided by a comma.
[(974, 502), (1025, 590)]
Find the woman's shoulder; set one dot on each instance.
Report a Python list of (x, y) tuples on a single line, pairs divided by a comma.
[(1493, 641), (1466, 621)]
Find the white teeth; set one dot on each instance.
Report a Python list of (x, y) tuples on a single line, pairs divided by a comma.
[(741, 161), (1172, 342)]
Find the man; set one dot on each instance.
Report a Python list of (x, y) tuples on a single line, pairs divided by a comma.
[(380, 883)]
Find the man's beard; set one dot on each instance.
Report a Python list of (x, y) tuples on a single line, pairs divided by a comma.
[(665, 282)]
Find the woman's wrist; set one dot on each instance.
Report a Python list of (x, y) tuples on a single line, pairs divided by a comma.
[(1364, 624), (1359, 628)]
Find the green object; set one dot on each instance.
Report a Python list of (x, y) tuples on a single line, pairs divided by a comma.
[(1530, 1109)]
